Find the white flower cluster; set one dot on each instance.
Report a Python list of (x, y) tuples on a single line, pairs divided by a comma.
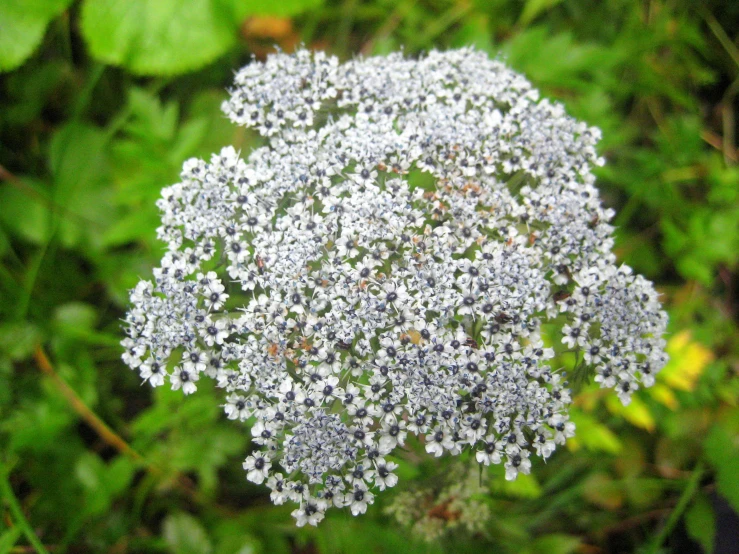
[(383, 266)]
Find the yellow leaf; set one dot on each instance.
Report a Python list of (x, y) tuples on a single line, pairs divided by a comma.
[(664, 395), (688, 360), (635, 413)]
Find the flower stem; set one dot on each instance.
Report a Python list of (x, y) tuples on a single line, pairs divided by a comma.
[(6, 491), (680, 508)]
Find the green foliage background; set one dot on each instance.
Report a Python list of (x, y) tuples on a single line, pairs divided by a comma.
[(100, 103)]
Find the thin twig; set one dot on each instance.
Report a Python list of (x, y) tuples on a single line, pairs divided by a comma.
[(721, 36), (719, 144), (97, 424), (183, 482)]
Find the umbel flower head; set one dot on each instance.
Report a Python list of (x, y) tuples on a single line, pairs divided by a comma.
[(390, 263)]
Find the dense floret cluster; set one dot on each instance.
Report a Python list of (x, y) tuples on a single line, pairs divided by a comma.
[(384, 266)]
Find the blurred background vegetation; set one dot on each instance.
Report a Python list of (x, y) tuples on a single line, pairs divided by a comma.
[(100, 103)]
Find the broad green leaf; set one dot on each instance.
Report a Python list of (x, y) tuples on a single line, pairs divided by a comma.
[(158, 37), (700, 523), (25, 212), (185, 535), (22, 26), (165, 37)]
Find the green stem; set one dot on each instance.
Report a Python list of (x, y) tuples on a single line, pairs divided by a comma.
[(15, 509), (31, 278), (721, 36), (348, 12), (677, 513), (443, 22)]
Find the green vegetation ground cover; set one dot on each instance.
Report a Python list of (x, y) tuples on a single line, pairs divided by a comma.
[(100, 103)]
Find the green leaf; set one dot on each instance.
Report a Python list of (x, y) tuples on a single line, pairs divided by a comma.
[(17, 340), (25, 210), (102, 482), (163, 37), (130, 227), (76, 315), (79, 164), (150, 118), (37, 426), (524, 486), (22, 26), (557, 60), (89, 471), (158, 37), (185, 535), (592, 434), (233, 537), (700, 522)]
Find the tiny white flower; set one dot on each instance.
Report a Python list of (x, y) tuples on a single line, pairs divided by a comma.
[(257, 468), (183, 378)]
